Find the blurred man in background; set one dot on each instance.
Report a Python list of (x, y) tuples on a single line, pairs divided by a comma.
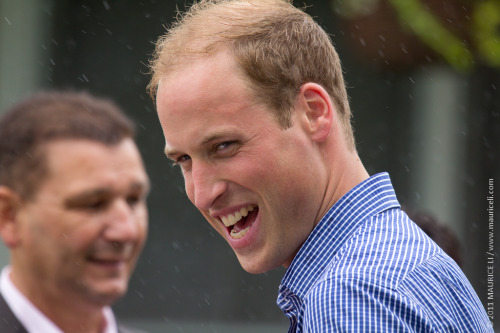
[(72, 213)]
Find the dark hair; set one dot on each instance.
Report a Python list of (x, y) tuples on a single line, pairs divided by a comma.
[(47, 116)]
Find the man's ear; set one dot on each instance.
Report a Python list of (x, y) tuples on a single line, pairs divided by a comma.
[(319, 111), (9, 227)]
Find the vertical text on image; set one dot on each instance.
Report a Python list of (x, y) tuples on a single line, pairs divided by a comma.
[(490, 254)]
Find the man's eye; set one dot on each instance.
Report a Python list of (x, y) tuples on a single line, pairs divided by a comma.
[(95, 205), (132, 200), (223, 145), (183, 162), (180, 160), (183, 159)]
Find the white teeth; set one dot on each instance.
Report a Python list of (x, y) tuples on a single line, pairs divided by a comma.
[(232, 219), (238, 235)]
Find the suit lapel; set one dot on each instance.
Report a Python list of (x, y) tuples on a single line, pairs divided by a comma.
[(10, 324), (8, 321)]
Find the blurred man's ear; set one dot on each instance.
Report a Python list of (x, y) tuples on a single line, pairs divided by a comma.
[(9, 205)]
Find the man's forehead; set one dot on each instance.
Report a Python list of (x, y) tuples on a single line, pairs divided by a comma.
[(191, 66), (77, 156)]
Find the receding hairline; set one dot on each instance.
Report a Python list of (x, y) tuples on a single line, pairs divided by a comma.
[(216, 36)]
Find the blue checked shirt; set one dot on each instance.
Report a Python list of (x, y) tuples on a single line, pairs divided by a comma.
[(367, 268)]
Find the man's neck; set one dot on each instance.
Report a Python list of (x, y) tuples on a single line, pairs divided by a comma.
[(344, 176), (94, 322), (66, 313)]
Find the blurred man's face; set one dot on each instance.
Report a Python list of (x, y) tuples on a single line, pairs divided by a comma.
[(81, 235), (255, 182)]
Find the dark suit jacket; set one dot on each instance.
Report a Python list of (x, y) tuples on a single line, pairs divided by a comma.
[(10, 324)]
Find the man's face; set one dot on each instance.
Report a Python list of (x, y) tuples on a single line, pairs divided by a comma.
[(81, 235), (239, 164)]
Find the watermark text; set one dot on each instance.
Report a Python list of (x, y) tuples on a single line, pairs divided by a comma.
[(490, 254)]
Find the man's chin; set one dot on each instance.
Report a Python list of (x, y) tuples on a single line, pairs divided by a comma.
[(107, 293), (253, 266)]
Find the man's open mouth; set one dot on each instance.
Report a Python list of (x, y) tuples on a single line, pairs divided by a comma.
[(240, 222)]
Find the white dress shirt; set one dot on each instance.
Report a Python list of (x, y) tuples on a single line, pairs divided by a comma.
[(33, 319)]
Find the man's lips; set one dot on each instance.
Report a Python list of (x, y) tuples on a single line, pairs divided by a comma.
[(107, 261), (111, 257)]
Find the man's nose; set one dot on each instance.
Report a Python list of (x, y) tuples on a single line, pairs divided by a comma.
[(123, 224), (205, 185)]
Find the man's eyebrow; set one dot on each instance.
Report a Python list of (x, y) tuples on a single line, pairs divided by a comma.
[(170, 153), (143, 186), (75, 199), (214, 137)]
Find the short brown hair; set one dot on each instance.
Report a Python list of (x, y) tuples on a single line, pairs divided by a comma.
[(29, 125), (277, 47)]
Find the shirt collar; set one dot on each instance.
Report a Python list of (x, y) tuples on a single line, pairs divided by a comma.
[(30, 317), (368, 198)]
